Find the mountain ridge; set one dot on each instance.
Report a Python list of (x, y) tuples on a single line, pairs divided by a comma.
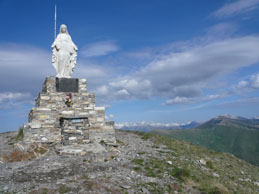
[(236, 135), (144, 126), (148, 126)]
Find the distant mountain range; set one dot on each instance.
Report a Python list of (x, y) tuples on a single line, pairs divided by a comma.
[(236, 135), (146, 126)]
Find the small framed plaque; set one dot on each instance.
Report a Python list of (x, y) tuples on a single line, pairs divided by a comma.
[(66, 84)]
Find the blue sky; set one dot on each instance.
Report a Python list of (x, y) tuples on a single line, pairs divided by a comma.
[(156, 61)]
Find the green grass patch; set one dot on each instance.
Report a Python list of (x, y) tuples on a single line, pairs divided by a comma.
[(147, 136), (210, 164), (120, 142), (63, 189), (44, 191), (151, 173), (188, 172), (155, 168), (20, 135), (241, 141), (84, 176), (138, 161), (213, 190), (155, 188), (181, 173), (137, 169)]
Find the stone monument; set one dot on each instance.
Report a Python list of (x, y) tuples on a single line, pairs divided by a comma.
[(64, 112)]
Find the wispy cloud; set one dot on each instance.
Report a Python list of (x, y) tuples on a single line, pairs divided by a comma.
[(191, 100), (245, 103), (222, 29), (99, 49), (236, 7)]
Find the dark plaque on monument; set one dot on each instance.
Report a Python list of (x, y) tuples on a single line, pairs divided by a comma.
[(66, 85)]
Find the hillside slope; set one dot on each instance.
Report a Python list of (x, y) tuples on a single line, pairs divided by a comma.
[(239, 136), (143, 163)]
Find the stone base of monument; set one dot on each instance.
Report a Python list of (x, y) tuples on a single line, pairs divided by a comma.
[(80, 149), (80, 122)]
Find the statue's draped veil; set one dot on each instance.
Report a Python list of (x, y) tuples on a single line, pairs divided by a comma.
[(63, 25)]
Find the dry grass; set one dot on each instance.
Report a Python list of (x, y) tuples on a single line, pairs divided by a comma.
[(34, 151)]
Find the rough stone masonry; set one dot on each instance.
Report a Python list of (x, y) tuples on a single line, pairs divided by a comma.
[(53, 121)]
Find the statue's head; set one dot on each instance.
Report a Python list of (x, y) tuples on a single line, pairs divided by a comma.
[(63, 28)]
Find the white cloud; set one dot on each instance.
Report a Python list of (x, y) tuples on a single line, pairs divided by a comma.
[(131, 87), (23, 68), (242, 84), (255, 81), (236, 7), (110, 116), (11, 99), (123, 93), (5, 96), (182, 74), (15, 56), (103, 90), (186, 73), (99, 49), (212, 97), (247, 85), (179, 100), (191, 100), (97, 76), (170, 72)]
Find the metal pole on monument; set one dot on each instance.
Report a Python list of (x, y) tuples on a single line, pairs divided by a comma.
[(55, 23)]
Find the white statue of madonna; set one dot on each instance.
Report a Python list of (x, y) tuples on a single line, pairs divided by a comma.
[(64, 53)]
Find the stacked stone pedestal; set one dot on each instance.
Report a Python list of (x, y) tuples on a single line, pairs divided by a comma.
[(51, 120)]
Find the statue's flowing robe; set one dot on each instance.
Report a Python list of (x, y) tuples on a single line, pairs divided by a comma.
[(64, 53)]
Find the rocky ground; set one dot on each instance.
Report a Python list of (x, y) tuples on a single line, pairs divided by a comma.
[(140, 163)]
